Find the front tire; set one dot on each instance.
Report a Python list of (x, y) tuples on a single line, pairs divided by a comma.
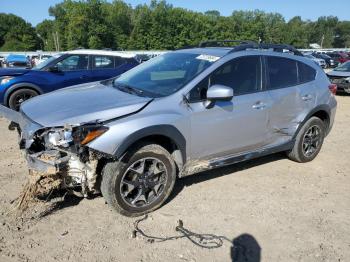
[(309, 141), (19, 96), (141, 182)]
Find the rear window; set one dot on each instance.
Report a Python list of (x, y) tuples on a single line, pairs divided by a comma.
[(102, 62), (306, 73), (282, 72), (124, 60)]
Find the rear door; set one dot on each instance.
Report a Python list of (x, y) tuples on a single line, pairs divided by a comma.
[(293, 94), (123, 64), (103, 67)]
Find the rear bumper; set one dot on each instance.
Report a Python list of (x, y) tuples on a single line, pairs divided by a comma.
[(333, 110)]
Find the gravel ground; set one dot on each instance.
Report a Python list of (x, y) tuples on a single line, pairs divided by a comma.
[(271, 209)]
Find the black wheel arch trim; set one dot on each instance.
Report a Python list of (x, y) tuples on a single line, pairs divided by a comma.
[(18, 86), (325, 108), (168, 131)]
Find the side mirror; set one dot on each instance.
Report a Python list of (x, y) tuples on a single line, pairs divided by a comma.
[(54, 69), (218, 93)]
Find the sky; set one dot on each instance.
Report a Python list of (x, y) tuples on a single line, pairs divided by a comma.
[(34, 11)]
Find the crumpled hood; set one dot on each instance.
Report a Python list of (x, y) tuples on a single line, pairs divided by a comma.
[(339, 73), (13, 71), (81, 104)]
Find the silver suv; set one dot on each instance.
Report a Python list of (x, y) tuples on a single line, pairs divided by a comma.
[(176, 115)]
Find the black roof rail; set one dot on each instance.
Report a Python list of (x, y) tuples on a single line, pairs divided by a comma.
[(212, 43), (245, 47), (281, 48), (186, 47), (275, 47)]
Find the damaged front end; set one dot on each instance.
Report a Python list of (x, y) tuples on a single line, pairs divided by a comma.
[(60, 155)]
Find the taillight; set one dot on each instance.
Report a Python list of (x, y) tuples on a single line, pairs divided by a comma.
[(333, 88)]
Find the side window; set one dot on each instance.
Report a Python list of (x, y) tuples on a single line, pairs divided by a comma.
[(243, 74), (282, 72), (74, 62), (306, 73), (199, 92), (102, 62), (119, 61)]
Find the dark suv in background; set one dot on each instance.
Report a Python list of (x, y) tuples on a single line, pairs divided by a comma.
[(62, 70), (330, 62)]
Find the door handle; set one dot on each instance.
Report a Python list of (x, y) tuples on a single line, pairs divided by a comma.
[(83, 76), (259, 106), (306, 97)]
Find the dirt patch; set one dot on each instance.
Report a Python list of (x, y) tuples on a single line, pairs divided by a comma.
[(38, 187), (271, 209)]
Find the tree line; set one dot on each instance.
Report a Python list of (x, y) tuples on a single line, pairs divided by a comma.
[(100, 24)]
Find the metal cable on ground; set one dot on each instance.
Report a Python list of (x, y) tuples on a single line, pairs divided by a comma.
[(208, 241)]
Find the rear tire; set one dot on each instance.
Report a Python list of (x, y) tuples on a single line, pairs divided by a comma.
[(309, 141), (141, 182), (19, 96)]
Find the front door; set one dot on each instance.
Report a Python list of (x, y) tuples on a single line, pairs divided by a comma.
[(230, 127), (72, 70)]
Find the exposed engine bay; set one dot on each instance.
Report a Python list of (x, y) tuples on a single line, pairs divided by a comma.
[(61, 152)]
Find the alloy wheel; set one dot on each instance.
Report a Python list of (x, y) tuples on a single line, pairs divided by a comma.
[(143, 182), (20, 98), (311, 141)]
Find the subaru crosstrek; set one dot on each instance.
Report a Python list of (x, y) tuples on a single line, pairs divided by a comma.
[(61, 70), (176, 115)]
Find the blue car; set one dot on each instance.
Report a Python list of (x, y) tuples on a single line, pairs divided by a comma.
[(13, 60), (62, 70)]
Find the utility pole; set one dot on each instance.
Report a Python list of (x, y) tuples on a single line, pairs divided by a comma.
[(54, 41), (322, 39), (42, 41), (58, 41)]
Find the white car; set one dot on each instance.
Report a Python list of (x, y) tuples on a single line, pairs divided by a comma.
[(41, 59), (321, 62)]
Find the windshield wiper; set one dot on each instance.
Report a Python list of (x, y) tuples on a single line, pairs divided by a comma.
[(129, 89)]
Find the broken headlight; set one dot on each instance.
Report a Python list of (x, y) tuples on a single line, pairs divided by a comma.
[(60, 137), (85, 134), (80, 135)]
